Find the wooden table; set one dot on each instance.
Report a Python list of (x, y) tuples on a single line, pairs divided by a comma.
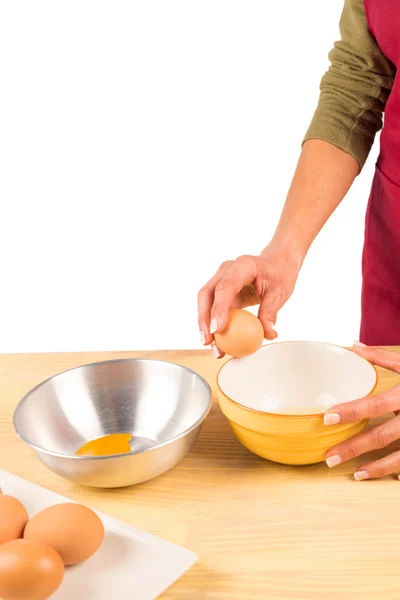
[(262, 531)]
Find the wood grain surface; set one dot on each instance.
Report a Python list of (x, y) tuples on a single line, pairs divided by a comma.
[(262, 531)]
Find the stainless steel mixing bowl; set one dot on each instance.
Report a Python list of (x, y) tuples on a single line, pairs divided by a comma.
[(163, 406)]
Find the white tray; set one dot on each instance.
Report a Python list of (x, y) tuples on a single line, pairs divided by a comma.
[(130, 564)]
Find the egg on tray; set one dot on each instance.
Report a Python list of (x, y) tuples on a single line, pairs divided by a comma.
[(34, 553), (13, 518), (75, 531), (29, 570)]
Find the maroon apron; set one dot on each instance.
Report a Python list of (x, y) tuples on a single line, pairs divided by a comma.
[(380, 323)]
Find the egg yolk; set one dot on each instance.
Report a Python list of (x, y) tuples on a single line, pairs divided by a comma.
[(115, 443)]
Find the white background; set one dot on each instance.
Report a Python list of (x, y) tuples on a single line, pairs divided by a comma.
[(141, 144)]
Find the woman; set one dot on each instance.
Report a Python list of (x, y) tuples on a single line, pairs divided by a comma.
[(359, 86)]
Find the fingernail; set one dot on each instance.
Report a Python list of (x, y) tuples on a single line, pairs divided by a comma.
[(272, 325), (203, 338), (333, 461), (213, 325), (359, 344), (331, 419), (361, 475), (215, 350)]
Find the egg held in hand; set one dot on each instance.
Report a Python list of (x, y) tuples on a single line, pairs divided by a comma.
[(29, 570), (242, 336), (13, 518), (73, 530)]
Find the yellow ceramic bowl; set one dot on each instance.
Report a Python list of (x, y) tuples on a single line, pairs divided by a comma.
[(274, 399)]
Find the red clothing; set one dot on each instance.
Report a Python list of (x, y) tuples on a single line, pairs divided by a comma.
[(380, 324)]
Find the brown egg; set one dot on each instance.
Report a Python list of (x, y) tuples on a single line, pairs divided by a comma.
[(73, 530), (29, 570), (13, 518), (243, 335)]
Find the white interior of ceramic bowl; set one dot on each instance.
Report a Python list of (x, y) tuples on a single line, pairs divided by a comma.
[(297, 378)]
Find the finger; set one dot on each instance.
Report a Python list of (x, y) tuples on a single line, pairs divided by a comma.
[(379, 356), (205, 300), (241, 273), (217, 352), (272, 302), (368, 407), (379, 468), (376, 438)]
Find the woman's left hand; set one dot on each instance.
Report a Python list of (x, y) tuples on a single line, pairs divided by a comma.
[(368, 408)]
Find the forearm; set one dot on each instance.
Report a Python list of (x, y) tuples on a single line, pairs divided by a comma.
[(353, 96), (323, 176)]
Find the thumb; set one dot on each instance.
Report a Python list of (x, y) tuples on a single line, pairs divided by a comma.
[(268, 311)]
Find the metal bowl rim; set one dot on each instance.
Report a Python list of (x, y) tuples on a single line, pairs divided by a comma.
[(37, 448)]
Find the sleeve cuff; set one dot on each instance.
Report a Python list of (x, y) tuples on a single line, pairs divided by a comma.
[(352, 134)]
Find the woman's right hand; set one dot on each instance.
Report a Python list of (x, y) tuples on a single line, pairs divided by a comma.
[(267, 280)]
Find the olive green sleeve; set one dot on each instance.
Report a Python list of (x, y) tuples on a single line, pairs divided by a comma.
[(355, 89)]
